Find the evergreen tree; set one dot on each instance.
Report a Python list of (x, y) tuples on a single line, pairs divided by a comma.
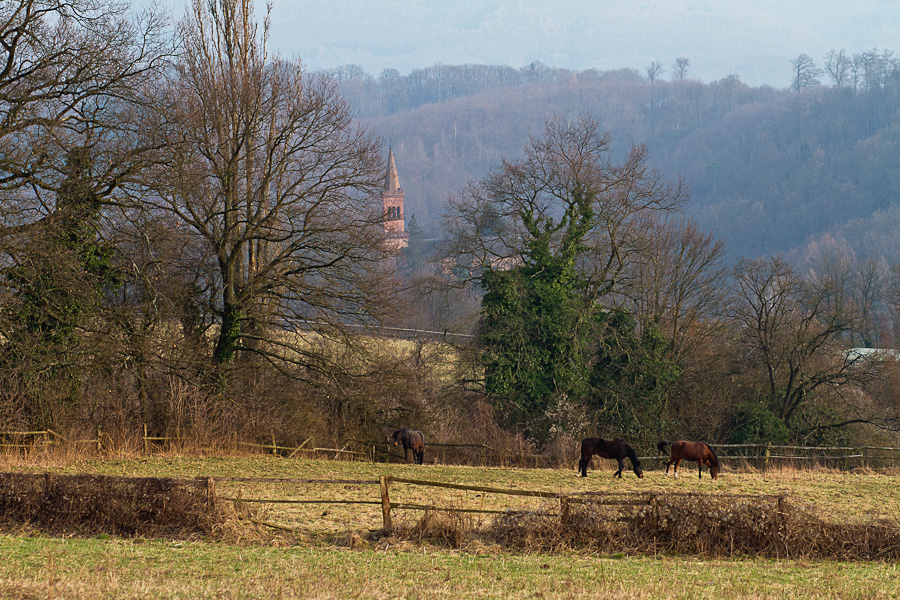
[(415, 249)]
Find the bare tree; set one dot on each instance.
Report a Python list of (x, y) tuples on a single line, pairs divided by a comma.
[(484, 223), (680, 68), (677, 280), (794, 330), (69, 72), (263, 165), (654, 71), (804, 73), (837, 65)]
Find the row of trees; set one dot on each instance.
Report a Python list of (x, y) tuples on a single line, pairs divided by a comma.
[(603, 309), (866, 71), (192, 237), (173, 199)]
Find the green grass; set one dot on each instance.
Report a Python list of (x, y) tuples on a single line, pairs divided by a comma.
[(326, 561), (106, 568)]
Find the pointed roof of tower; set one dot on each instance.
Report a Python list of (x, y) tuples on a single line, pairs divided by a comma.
[(391, 180)]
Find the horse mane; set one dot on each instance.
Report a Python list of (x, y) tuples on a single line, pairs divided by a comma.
[(632, 455), (713, 452)]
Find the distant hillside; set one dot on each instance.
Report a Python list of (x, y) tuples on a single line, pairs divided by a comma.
[(769, 170)]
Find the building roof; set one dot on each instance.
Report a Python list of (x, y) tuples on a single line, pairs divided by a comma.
[(391, 180)]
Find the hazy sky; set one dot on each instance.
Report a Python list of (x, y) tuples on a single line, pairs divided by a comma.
[(755, 39)]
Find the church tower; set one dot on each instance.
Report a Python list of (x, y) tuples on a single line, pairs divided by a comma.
[(392, 204)]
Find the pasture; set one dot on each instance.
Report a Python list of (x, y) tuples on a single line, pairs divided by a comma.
[(329, 552)]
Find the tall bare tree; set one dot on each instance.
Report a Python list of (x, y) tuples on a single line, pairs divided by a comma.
[(794, 327), (677, 280), (264, 166), (804, 73), (484, 223), (73, 75), (654, 71), (838, 64), (680, 68)]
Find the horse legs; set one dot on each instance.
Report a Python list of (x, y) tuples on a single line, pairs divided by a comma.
[(621, 467), (675, 468), (700, 462), (582, 466), (420, 455)]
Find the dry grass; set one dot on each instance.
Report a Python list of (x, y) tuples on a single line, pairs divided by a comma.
[(708, 525), (824, 513)]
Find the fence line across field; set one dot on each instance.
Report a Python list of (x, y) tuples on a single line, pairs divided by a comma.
[(864, 455), (566, 499), (381, 449)]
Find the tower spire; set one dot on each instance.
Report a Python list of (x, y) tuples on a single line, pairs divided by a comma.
[(391, 180)]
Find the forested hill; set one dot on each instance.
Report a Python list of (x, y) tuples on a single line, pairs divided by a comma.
[(769, 170)]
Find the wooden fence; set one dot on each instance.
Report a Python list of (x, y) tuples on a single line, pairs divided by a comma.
[(566, 500), (28, 440), (763, 456), (383, 500)]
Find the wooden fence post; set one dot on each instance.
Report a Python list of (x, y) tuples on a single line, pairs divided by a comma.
[(767, 455), (210, 493), (563, 510), (385, 503), (146, 441)]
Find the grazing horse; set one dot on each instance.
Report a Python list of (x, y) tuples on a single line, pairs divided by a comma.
[(411, 440), (698, 451), (616, 448)]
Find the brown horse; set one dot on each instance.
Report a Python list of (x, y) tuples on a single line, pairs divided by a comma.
[(698, 451), (411, 440), (616, 448)]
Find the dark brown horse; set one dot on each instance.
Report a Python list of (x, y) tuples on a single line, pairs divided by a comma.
[(698, 451), (616, 448), (411, 440)]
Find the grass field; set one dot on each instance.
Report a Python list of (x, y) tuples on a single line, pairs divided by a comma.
[(325, 559)]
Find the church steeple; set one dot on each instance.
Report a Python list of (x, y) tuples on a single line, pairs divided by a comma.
[(392, 204), (391, 179)]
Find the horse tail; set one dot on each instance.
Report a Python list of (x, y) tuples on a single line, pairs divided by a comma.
[(662, 446)]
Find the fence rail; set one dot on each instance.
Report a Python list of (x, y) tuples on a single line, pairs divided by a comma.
[(757, 455), (566, 499), (763, 455)]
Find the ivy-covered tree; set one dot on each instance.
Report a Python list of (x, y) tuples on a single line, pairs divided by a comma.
[(56, 284), (631, 379), (535, 328), (60, 275), (548, 238)]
